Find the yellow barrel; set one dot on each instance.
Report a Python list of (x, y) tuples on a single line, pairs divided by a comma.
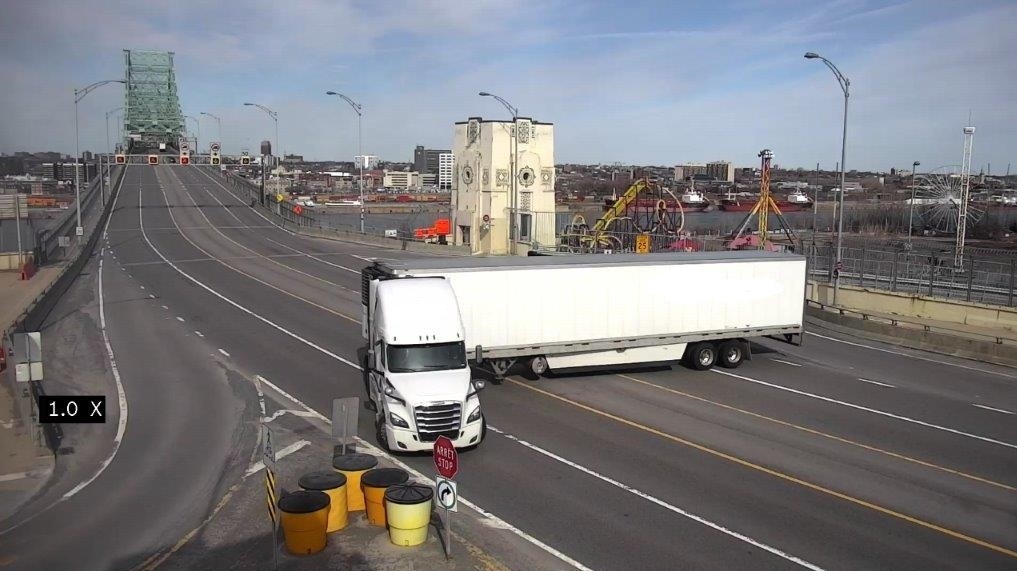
[(375, 482), (333, 484), (304, 518), (408, 508), (353, 466)]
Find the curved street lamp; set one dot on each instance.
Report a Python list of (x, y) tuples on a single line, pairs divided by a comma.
[(80, 94), (218, 122), (275, 117), (845, 85), (512, 165), (359, 110)]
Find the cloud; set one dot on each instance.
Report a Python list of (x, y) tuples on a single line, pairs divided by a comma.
[(641, 82)]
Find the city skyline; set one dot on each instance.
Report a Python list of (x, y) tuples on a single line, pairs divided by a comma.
[(696, 83)]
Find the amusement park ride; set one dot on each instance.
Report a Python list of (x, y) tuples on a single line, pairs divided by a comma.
[(649, 217)]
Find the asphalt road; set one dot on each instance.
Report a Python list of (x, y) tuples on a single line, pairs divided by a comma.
[(833, 455)]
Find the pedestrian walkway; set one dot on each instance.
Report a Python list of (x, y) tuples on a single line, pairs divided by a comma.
[(25, 461), (17, 294)]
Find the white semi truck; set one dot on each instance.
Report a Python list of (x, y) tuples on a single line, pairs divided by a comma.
[(427, 320)]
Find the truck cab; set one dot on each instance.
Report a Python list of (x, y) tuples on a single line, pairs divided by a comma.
[(416, 369)]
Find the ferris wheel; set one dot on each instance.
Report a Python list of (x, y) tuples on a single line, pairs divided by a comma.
[(937, 202)]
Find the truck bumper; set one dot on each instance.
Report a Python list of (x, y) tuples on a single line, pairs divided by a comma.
[(403, 440)]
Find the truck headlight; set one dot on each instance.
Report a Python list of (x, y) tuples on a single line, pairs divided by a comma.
[(474, 416), (397, 420)]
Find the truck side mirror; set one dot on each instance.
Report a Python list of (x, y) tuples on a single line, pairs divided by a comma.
[(370, 358)]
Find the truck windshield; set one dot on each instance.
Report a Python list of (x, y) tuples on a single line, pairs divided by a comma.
[(428, 357)]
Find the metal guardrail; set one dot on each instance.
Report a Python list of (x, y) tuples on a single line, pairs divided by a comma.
[(930, 272), (897, 321)]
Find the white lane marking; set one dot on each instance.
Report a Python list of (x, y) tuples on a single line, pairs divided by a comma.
[(657, 501), (180, 319), (207, 288), (786, 362), (493, 520), (282, 453), (230, 192), (994, 409), (224, 352), (142, 287), (198, 333), (300, 413), (876, 383), (150, 296), (363, 258), (308, 254), (919, 357), (867, 409), (121, 395), (183, 186), (165, 307)]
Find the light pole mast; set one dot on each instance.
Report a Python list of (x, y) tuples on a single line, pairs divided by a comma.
[(911, 213), (845, 85), (197, 134), (275, 117), (218, 122), (80, 94), (962, 211), (359, 110), (512, 167)]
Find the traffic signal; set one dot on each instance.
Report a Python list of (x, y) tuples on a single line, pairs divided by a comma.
[(153, 159), (245, 160), (185, 160), (215, 160), (121, 159)]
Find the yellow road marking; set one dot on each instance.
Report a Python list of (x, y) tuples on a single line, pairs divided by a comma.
[(774, 473), (825, 435)]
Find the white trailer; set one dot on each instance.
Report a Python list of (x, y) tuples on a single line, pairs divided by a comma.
[(567, 312)]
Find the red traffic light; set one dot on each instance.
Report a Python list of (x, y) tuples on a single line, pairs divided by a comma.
[(185, 160), (121, 159), (153, 159)]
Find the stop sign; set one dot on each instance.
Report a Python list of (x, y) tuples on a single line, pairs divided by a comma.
[(446, 459)]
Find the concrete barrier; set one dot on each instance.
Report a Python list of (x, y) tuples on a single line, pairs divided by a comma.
[(933, 341), (390, 243), (914, 305)]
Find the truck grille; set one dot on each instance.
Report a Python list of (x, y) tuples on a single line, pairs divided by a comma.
[(438, 420)]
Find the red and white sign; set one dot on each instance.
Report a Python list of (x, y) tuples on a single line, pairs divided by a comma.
[(298, 209), (446, 459)]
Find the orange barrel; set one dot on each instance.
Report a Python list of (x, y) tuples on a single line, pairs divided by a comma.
[(375, 482), (333, 484), (304, 518), (408, 510), (353, 466)]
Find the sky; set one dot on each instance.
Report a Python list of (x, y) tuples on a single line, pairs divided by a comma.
[(634, 82)]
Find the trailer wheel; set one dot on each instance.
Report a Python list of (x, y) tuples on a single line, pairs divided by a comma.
[(538, 365), (732, 353), (703, 356)]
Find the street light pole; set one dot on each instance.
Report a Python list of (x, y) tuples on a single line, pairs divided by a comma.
[(512, 166), (218, 122), (197, 136), (911, 215), (80, 94), (845, 85), (275, 117), (359, 110)]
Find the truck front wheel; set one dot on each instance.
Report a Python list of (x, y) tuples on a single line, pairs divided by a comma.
[(732, 353), (702, 356)]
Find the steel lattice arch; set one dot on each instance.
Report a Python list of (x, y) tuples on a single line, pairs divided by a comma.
[(152, 109)]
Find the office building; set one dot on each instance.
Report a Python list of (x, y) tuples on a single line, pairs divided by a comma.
[(369, 162), (446, 170), (427, 160), (720, 170), (687, 171), (401, 180)]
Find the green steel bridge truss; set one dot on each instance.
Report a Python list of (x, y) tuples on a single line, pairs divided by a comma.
[(153, 114)]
